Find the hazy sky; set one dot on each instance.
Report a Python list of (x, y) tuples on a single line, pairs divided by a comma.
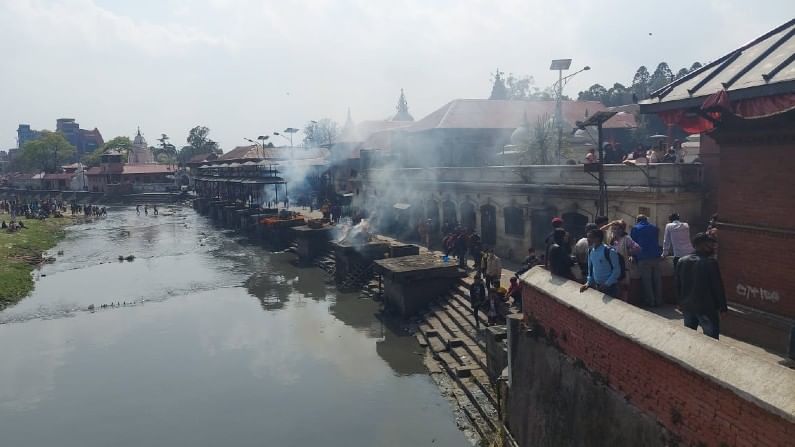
[(249, 67)]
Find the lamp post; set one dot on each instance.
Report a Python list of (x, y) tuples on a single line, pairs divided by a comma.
[(560, 65)]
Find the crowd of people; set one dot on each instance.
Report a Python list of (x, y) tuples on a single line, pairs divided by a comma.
[(605, 259), (642, 154)]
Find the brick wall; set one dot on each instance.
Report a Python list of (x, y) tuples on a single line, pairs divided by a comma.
[(693, 406), (757, 188)]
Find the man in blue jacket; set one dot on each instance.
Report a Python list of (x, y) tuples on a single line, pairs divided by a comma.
[(604, 268), (648, 237)]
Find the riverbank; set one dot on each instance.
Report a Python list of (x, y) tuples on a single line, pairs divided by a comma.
[(20, 252)]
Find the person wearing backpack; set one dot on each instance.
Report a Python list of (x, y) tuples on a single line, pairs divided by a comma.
[(604, 265)]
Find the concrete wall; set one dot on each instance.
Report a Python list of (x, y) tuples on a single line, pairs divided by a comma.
[(642, 368)]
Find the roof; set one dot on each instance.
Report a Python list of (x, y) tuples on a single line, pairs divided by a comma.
[(255, 152), (362, 131), (63, 176), (500, 114), (146, 169), (762, 67)]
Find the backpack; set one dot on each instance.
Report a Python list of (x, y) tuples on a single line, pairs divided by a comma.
[(622, 263)]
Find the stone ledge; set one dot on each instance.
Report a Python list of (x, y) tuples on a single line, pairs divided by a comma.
[(770, 386)]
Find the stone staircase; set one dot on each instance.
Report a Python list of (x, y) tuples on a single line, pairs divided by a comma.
[(447, 330)]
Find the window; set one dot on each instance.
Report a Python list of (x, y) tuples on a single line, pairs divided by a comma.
[(514, 221)]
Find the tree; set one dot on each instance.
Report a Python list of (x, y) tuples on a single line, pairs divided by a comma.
[(640, 82), (596, 92), (695, 66), (166, 152), (681, 73), (661, 77), (199, 143), (538, 140), (318, 133), (498, 89), (123, 145), (46, 153)]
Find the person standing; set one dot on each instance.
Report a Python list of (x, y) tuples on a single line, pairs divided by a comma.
[(477, 297), (137, 209), (623, 244), (559, 261), (700, 288), (476, 250), (676, 239), (460, 248), (647, 236), (581, 251), (604, 268), (493, 270)]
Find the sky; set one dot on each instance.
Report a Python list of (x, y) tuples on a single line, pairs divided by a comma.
[(246, 68)]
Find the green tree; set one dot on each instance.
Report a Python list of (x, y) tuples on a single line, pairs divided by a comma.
[(122, 145), (661, 77), (596, 92), (695, 66), (166, 152), (46, 153), (640, 82), (199, 143), (318, 133)]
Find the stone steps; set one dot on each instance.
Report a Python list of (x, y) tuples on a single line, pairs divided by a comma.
[(447, 330)]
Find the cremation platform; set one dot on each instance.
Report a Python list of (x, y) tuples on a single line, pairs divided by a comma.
[(311, 242), (411, 282)]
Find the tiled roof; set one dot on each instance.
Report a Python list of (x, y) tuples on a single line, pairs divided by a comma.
[(147, 169), (62, 176), (500, 114), (763, 67)]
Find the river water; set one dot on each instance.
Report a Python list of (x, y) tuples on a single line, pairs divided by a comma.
[(221, 344)]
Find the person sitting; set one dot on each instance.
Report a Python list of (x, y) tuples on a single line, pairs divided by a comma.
[(22, 224), (515, 292), (4, 225)]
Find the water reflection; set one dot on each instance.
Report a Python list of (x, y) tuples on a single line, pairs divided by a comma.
[(198, 363)]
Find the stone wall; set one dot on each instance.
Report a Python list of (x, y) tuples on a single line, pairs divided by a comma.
[(612, 369), (537, 194)]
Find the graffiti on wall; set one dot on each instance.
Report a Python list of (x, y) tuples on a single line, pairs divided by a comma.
[(753, 293)]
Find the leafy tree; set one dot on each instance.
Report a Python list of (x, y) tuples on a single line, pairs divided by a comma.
[(318, 133), (166, 152), (695, 66), (596, 92), (123, 145), (661, 77), (681, 73), (640, 82), (498, 89), (46, 153), (199, 143)]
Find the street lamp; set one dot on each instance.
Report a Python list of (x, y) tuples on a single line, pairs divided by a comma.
[(560, 65)]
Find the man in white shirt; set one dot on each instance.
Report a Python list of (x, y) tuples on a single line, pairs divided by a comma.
[(676, 239)]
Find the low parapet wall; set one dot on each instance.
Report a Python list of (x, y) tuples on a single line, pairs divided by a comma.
[(701, 391)]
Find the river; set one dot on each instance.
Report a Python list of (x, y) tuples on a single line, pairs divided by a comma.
[(222, 343)]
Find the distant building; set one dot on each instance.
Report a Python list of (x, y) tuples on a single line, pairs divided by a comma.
[(115, 177), (25, 134), (140, 153), (85, 141)]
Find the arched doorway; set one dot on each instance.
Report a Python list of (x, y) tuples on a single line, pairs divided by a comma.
[(574, 223), (488, 224), (468, 216), (449, 215), (432, 212), (540, 226)]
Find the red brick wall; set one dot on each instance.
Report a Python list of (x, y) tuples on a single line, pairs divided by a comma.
[(689, 405), (757, 188)]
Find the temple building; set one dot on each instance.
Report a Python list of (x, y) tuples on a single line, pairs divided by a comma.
[(140, 153)]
